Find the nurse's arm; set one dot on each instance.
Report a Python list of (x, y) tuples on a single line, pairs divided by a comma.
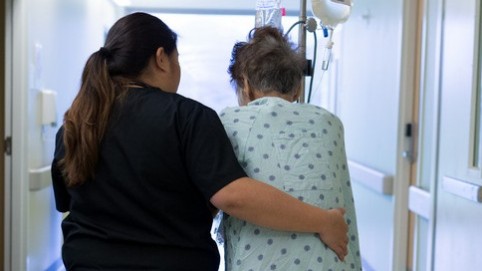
[(264, 205)]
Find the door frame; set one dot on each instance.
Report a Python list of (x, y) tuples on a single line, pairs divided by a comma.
[(415, 126), (422, 202), (408, 89), (16, 170), (3, 53)]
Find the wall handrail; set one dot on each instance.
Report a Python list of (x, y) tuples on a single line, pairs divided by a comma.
[(377, 181), (462, 189), (39, 178), (419, 201)]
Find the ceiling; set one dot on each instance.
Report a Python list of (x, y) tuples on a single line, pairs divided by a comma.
[(221, 5)]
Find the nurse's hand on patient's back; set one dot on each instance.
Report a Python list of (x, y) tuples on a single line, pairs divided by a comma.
[(266, 206), (335, 232)]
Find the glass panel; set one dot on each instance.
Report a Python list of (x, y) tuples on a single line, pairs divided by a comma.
[(421, 250), (477, 136), (428, 99), (477, 147)]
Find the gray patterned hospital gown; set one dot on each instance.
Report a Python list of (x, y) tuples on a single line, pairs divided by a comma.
[(298, 148)]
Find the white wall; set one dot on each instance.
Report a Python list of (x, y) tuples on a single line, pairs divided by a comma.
[(52, 40), (368, 96)]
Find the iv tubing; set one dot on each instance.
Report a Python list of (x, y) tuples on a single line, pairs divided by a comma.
[(293, 26), (313, 66), (327, 55)]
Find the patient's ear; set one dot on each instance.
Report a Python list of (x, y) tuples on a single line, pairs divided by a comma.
[(248, 92), (243, 97), (297, 94)]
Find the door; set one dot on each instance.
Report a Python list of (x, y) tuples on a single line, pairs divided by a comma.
[(458, 238), (374, 100)]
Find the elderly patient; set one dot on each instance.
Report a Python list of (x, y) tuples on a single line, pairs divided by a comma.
[(298, 148)]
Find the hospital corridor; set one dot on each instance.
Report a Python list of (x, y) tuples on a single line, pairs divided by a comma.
[(403, 76)]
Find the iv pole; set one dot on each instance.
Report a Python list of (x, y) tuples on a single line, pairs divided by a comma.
[(302, 45)]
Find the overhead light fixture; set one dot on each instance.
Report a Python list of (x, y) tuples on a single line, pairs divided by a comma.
[(123, 3)]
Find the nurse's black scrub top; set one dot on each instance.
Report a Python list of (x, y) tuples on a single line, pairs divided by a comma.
[(162, 158)]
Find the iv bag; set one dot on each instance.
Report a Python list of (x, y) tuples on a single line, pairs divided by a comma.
[(331, 12), (269, 12)]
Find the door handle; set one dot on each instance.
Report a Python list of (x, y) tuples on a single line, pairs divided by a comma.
[(409, 153)]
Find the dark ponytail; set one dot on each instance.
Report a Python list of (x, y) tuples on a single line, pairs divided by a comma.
[(86, 120), (130, 43)]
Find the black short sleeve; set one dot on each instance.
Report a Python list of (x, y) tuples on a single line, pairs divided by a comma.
[(62, 197), (209, 155)]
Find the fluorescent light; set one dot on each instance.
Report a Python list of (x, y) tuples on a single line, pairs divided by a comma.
[(122, 3)]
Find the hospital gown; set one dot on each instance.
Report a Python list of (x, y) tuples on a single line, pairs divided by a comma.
[(298, 148)]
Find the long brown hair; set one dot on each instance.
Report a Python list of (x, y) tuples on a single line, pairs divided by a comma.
[(130, 43)]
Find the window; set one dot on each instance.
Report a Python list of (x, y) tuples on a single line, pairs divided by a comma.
[(204, 43)]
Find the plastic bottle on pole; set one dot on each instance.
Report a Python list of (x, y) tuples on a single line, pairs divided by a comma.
[(269, 12)]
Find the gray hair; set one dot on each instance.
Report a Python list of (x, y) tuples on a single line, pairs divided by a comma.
[(268, 61)]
